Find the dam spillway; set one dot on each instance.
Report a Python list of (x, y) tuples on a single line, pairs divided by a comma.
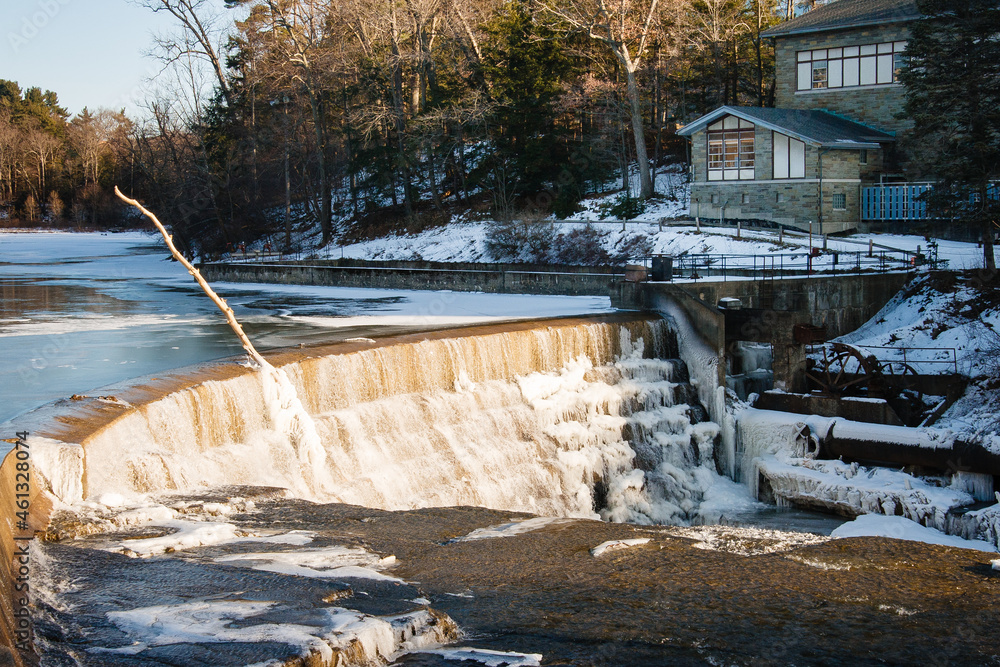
[(170, 542), (536, 418)]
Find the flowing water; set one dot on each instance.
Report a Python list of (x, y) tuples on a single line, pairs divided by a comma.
[(192, 529)]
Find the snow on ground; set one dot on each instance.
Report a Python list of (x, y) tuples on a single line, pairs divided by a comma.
[(466, 242), (662, 228), (945, 323), (900, 528), (940, 313)]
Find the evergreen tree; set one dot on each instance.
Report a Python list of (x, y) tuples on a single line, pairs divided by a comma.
[(524, 66), (953, 97)]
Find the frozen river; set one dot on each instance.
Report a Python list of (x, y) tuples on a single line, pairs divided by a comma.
[(81, 311)]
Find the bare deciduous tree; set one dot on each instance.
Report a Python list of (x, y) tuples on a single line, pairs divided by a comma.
[(625, 27), (203, 36)]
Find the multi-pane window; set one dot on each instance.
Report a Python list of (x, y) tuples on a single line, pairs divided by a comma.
[(789, 157), (731, 150), (848, 66), (819, 74)]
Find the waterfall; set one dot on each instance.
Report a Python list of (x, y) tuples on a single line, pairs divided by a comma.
[(584, 419)]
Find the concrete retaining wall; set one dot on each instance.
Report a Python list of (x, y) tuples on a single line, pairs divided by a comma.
[(501, 279), (840, 303)]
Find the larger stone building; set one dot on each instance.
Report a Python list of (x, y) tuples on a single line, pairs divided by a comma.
[(810, 161)]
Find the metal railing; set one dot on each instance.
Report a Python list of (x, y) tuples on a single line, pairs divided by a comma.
[(901, 359), (660, 268)]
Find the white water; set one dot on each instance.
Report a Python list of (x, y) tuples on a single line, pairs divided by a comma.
[(560, 421)]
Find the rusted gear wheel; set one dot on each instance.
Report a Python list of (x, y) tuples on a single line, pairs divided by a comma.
[(899, 377), (844, 371)]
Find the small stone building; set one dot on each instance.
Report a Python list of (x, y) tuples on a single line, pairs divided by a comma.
[(833, 131)]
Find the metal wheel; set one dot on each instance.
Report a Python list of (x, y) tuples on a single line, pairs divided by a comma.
[(844, 371)]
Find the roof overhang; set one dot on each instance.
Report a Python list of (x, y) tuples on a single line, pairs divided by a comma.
[(709, 118), (776, 32)]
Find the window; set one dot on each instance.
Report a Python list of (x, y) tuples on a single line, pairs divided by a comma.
[(839, 201), (715, 199), (731, 150), (779, 198), (789, 157), (819, 74), (745, 199), (863, 156), (845, 67)]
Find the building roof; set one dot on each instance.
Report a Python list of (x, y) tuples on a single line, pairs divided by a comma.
[(821, 129), (848, 14)]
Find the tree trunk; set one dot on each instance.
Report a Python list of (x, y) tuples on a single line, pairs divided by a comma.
[(400, 112), (989, 260), (638, 131), (461, 161), (432, 176), (325, 194)]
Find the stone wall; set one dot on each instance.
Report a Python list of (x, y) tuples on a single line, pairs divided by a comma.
[(841, 304), (876, 106), (793, 202), (574, 281)]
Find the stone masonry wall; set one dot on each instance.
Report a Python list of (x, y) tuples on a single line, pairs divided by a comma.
[(876, 106), (791, 202)]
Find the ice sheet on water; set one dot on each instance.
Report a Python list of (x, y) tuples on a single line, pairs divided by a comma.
[(515, 527), (335, 562), (861, 489), (487, 657), (189, 525), (615, 545), (746, 541), (379, 639)]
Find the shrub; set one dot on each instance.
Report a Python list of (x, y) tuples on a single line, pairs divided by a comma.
[(525, 240), (633, 247), (625, 207), (582, 246)]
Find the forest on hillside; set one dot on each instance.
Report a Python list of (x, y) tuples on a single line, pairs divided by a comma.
[(359, 116)]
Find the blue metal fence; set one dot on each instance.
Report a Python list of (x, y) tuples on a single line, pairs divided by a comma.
[(894, 202), (901, 202)]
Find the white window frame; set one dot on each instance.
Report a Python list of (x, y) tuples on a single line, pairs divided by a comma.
[(849, 66), (731, 150), (789, 157)]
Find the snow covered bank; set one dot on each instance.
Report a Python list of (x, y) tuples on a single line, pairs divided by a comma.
[(777, 454), (938, 318)]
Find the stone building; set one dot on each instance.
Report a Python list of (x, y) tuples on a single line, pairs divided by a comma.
[(812, 160)]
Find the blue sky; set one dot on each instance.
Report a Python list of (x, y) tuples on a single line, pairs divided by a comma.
[(90, 52)]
